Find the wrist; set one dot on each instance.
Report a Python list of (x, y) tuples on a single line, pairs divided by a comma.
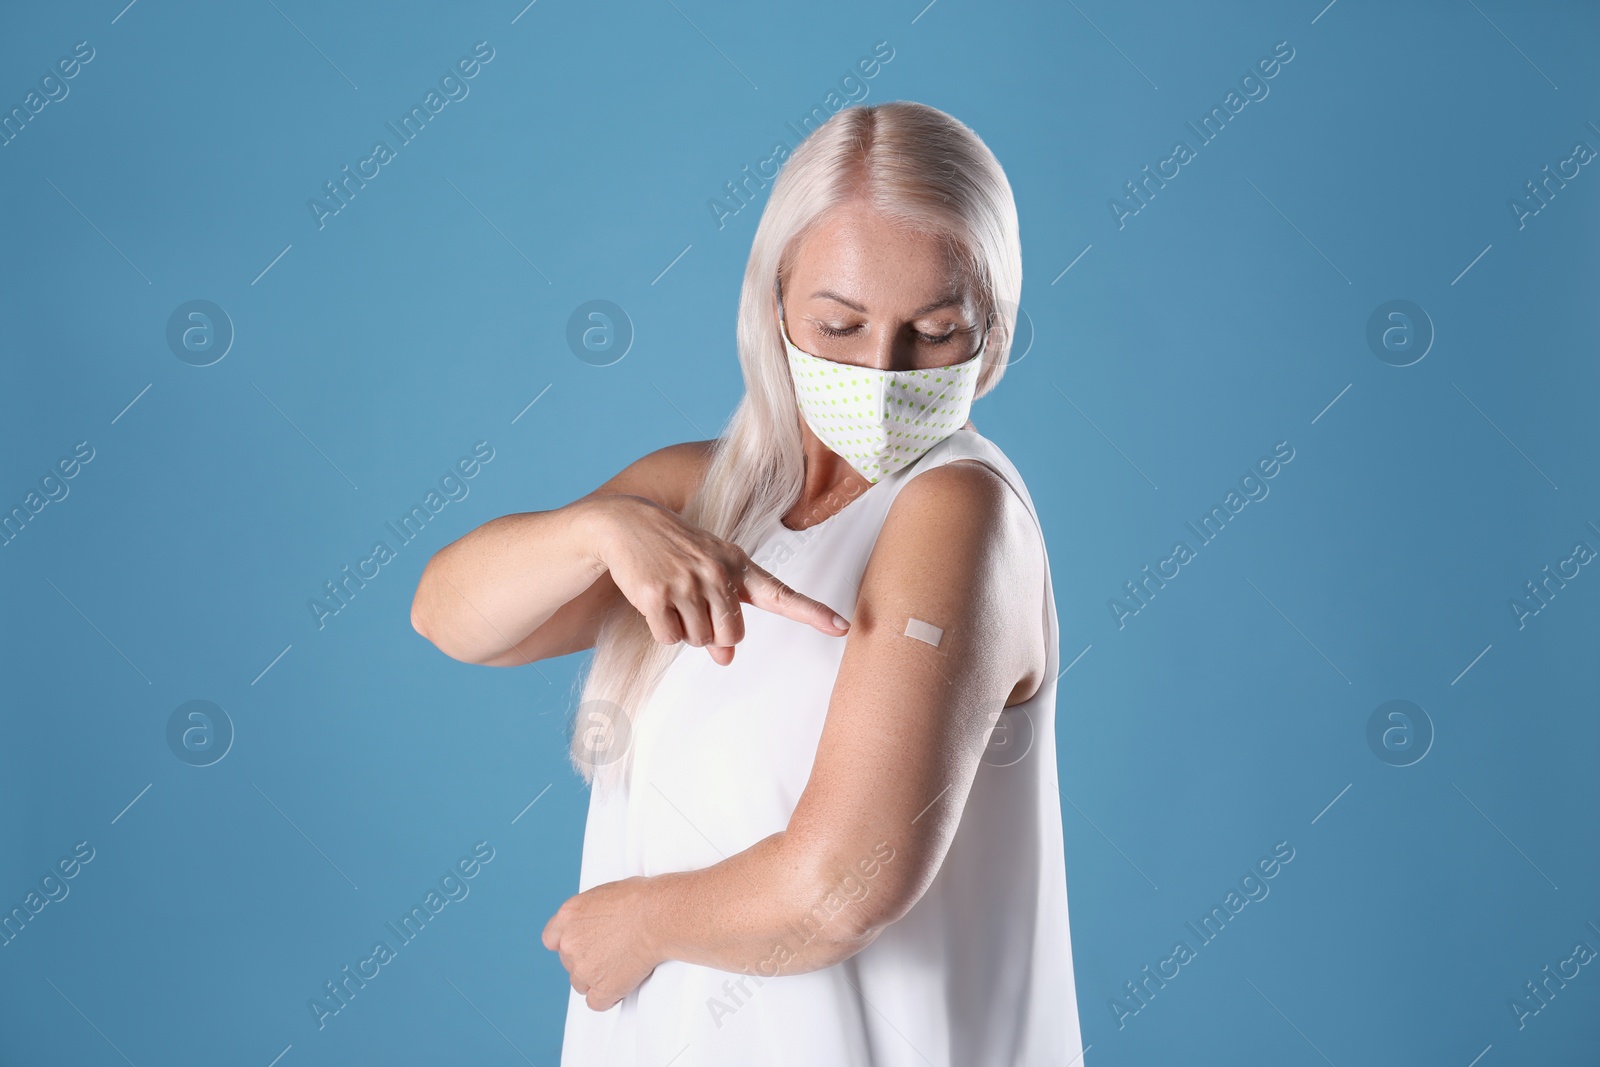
[(653, 911), (592, 520)]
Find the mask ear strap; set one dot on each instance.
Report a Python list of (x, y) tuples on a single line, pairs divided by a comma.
[(777, 292), (987, 324)]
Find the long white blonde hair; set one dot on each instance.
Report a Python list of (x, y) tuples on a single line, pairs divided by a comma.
[(914, 165)]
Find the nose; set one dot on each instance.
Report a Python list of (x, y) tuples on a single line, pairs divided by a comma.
[(886, 350)]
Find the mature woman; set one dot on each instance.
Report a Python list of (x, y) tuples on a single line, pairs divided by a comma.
[(833, 836)]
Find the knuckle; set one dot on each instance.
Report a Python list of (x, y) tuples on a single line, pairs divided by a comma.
[(652, 596)]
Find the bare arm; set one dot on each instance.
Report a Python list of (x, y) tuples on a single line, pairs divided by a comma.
[(529, 586), (905, 728)]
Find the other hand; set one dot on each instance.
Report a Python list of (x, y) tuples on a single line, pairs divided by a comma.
[(603, 942)]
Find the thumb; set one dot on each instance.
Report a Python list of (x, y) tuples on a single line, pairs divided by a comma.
[(552, 935), (769, 594)]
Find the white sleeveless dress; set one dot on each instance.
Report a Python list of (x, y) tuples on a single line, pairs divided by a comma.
[(977, 974)]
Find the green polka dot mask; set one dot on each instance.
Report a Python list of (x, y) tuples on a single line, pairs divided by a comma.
[(880, 421)]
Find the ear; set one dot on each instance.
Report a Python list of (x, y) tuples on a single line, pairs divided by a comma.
[(999, 327)]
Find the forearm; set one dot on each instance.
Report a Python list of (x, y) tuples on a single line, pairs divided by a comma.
[(770, 909), (484, 592)]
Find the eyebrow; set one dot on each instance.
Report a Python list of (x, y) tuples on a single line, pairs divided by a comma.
[(948, 300)]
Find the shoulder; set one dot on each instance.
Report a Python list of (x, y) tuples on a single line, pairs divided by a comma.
[(959, 520), (680, 468), (964, 497), (668, 476)]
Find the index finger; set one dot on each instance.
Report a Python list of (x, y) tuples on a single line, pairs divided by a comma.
[(764, 591)]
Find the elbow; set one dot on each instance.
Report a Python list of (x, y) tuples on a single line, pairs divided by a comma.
[(861, 893), (419, 616), (418, 620), (442, 639), (423, 620), (421, 623)]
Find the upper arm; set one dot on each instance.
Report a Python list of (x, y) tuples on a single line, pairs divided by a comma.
[(909, 720), (668, 476)]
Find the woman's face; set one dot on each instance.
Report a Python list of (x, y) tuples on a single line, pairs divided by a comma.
[(866, 292)]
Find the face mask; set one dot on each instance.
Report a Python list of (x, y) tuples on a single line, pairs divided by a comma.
[(880, 421)]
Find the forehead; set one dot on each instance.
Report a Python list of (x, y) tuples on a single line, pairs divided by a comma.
[(882, 264)]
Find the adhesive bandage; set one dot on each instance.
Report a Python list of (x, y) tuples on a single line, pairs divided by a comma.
[(924, 631)]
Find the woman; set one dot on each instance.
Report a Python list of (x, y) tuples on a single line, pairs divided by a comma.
[(834, 836)]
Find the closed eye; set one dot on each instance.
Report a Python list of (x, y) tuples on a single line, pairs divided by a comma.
[(832, 331)]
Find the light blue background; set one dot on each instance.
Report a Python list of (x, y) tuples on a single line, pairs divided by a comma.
[(1227, 315)]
